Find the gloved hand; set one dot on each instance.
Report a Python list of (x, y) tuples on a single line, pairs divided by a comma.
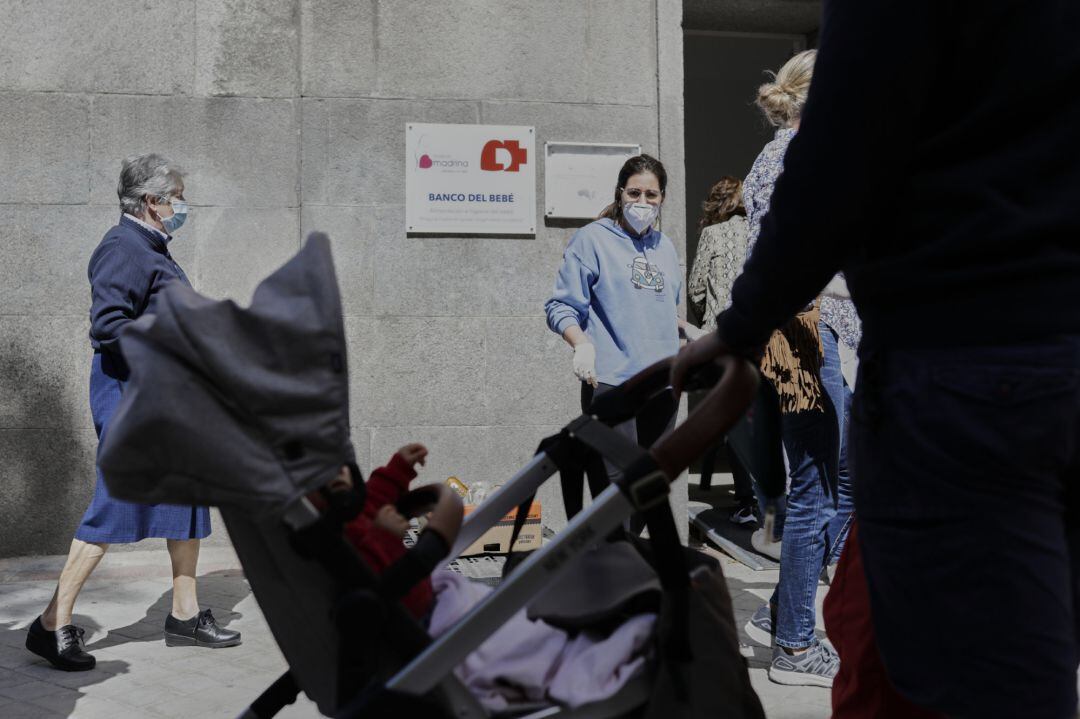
[(585, 363), (690, 331)]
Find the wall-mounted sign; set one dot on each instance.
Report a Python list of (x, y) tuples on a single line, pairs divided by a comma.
[(580, 177), (472, 179)]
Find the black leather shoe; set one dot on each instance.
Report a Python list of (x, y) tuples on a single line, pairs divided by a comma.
[(202, 630), (64, 648)]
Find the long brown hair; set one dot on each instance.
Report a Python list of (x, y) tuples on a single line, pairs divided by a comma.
[(724, 200), (634, 166)]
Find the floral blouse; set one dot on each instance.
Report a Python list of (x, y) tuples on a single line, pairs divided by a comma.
[(838, 313), (721, 253)]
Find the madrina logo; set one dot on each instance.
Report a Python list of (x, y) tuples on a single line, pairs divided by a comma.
[(427, 158), (489, 156)]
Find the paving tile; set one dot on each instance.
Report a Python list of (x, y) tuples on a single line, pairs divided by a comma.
[(143, 696), (201, 705), (42, 671), (188, 683), (61, 701), (96, 708), (15, 638), (29, 691), (15, 657), (29, 711), (10, 678)]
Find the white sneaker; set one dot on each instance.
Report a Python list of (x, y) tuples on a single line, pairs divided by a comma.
[(761, 626), (816, 667), (769, 549)]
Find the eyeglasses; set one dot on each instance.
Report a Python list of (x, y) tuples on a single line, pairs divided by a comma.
[(635, 193)]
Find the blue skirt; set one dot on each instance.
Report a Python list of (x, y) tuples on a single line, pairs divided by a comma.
[(114, 521)]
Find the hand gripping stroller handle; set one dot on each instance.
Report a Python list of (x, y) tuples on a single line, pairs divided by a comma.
[(736, 382)]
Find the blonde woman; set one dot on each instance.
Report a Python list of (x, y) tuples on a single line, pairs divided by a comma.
[(815, 402)]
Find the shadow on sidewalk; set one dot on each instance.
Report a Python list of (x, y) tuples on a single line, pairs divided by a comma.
[(22, 674), (20, 669), (219, 591)]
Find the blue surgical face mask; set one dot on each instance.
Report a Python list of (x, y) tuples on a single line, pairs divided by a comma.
[(180, 213)]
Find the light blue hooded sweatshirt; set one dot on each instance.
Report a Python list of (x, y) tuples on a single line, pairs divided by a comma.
[(623, 291)]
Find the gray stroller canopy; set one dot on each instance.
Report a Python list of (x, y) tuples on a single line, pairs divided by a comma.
[(247, 407)]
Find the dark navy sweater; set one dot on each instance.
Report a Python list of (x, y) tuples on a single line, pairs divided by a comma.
[(128, 269), (938, 165)]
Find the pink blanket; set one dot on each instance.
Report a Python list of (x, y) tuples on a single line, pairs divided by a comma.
[(533, 661)]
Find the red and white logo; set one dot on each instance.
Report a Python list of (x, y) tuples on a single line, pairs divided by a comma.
[(492, 160)]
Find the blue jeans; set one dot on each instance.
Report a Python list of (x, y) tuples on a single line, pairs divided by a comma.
[(968, 461), (819, 502)]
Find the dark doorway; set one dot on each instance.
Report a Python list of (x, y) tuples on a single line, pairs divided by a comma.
[(724, 129)]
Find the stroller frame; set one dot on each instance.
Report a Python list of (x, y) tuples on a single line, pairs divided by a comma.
[(645, 486)]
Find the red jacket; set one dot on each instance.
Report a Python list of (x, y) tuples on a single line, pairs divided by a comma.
[(381, 548)]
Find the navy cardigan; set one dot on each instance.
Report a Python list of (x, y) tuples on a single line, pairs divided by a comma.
[(128, 269)]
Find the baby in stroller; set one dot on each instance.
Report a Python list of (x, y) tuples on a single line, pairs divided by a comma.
[(525, 661), (377, 530)]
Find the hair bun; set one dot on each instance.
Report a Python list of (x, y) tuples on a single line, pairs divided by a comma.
[(779, 105), (782, 99)]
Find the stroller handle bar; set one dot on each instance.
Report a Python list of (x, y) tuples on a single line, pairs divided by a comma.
[(734, 382)]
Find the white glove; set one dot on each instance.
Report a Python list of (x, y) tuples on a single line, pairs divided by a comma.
[(585, 363), (690, 332)]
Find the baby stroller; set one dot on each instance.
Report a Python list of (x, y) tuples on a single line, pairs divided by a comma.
[(247, 409)]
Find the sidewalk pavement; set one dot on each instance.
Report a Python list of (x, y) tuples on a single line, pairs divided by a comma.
[(123, 609)]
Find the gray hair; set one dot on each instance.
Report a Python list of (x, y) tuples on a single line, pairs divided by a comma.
[(143, 175)]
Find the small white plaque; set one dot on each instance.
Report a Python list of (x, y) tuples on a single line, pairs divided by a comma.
[(580, 177)]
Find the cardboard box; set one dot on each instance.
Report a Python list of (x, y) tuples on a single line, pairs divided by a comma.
[(496, 539)]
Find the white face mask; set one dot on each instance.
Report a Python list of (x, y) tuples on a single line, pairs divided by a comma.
[(640, 215)]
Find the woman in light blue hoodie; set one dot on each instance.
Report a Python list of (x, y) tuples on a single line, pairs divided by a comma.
[(617, 293)]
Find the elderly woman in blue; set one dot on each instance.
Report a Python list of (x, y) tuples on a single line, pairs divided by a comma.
[(617, 293), (127, 271)]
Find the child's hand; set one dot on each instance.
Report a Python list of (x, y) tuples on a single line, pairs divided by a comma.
[(413, 454), (389, 519)]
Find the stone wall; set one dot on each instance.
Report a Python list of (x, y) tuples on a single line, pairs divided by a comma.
[(289, 116)]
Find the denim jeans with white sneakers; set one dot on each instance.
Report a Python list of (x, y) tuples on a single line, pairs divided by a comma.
[(819, 503)]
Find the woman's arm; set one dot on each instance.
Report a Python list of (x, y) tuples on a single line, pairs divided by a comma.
[(697, 283), (574, 335), (568, 307), (118, 285), (388, 484)]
